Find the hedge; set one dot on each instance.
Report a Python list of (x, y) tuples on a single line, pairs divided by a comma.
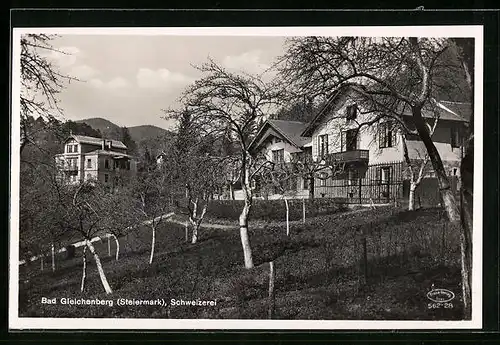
[(274, 209)]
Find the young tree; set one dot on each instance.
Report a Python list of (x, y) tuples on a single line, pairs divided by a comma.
[(395, 76), (220, 101), (416, 168), (150, 205)]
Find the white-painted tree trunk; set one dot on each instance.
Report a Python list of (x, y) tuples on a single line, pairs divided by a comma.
[(53, 255), (245, 241), (102, 275), (194, 237), (411, 198), (287, 218), (153, 239), (186, 228), (84, 270), (117, 255)]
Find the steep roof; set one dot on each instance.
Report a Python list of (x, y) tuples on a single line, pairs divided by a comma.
[(448, 110), (290, 130), (83, 139)]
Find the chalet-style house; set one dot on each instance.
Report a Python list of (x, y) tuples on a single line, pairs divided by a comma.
[(95, 159), (367, 163)]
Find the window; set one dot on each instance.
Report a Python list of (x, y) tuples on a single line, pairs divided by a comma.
[(278, 156), (89, 163), (106, 177), (349, 140), (117, 164), (128, 165), (351, 112), (323, 145), (73, 163), (305, 183), (386, 134), (69, 148), (384, 175), (106, 163), (455, 137), (89, 176), (75, 148)]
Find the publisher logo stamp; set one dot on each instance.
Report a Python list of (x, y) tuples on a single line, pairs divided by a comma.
[(440, 298)]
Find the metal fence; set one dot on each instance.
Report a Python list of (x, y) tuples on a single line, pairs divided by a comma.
[(378, 183)]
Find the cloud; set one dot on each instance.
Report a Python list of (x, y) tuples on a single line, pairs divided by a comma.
[(248, 62), (82, 72), (161, 79), (116, 83)]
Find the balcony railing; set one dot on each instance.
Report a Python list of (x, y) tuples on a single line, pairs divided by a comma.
[(361, 156)]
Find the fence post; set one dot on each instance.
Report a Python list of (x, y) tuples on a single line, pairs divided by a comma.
[(360, 191), (365, 257), (270, 311), (53, 257), (303, 210)]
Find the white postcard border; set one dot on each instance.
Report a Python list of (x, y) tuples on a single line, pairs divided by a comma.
[(20, 323)]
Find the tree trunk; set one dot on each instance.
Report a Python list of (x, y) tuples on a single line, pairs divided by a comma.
[(153, 239), (41, 262), (311, 188), (411, 198), (449, 202), (287, 218), (194, 237), (245, 241), (231, 191), (109, 246), (117, 246), (84, 270), (102, 275), (186, 230)]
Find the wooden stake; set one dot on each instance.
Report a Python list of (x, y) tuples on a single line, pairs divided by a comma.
[(53, 258), (271, 290)]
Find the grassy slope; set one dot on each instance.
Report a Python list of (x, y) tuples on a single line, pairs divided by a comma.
[(318, 271)]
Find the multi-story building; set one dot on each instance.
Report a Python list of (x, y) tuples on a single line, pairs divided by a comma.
[(367, 162), (88, 158)]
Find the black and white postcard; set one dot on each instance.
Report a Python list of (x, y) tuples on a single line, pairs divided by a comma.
[(317, 178)]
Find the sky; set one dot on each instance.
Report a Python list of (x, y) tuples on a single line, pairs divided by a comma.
[(130, 79)]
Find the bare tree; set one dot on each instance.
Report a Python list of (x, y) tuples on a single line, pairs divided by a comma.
[(416, 168), (225, 103), (466, 54), (395, 76), (41, 81), (150, 192)]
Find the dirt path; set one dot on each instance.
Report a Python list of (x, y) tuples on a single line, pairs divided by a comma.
[(257, 224)]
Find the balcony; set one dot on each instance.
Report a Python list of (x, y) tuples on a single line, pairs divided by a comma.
[(354, 156)]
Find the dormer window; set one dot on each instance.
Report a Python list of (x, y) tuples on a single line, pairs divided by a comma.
[(351, 112)]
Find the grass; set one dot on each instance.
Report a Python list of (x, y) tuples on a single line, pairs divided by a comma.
[(320, 269)]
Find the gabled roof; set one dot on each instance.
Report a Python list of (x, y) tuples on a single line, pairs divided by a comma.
[(109, 153), (448, 110), (290, 130), (83, 139)]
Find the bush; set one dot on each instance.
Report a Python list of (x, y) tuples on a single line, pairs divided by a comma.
[(274, 209)]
